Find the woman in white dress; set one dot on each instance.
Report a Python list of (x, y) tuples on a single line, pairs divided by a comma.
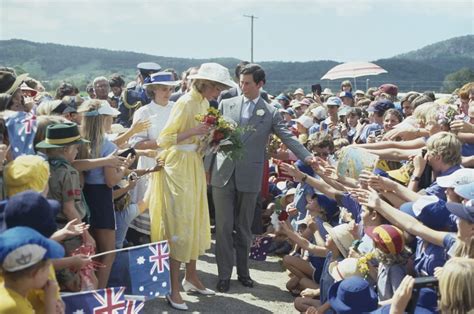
[(159, 87)]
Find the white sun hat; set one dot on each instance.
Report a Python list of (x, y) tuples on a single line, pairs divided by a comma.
[(214, 72)]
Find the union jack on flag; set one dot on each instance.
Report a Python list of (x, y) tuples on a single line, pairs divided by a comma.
[(104, 301), (149, 270), (133, 306)]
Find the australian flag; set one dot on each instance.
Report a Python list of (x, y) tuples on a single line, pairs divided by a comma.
[(21, 128), (259, 248), (150, 270), (104, 301), (133, 306)]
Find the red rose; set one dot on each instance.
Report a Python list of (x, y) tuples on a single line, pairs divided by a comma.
[(218, 136), (283, 216), (211, 120)]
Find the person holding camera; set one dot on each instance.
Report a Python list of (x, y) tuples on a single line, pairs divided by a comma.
[(455, 285)]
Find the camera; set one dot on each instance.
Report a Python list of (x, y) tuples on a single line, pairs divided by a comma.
[(420, 283), (377, 132)]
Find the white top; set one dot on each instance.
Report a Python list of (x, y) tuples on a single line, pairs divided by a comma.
[(158, 116)]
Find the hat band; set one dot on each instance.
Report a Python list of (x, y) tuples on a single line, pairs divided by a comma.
[(93, 113), (60, 141)]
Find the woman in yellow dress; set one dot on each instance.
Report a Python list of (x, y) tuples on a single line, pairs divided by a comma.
[(177, 195)]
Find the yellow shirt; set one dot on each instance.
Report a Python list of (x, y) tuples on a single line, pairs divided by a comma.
[(35, 297), (13, 303)]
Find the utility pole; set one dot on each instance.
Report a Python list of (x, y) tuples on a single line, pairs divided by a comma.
[(251, 17)]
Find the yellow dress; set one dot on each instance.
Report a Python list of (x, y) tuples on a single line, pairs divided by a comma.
[(178, 196)]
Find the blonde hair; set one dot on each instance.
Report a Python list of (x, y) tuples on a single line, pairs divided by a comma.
[(456, 286), (426, 112), (446, 145), (92, 129), (201, 85), (464, 248)]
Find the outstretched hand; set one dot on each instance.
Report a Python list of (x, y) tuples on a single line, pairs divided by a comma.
[(114, 160), (291, 171), (402, 295), (369, 198)]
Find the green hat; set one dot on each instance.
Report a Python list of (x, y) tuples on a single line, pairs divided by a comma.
[(60, 135)]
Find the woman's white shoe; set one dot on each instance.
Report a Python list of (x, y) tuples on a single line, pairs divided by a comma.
[(189, 287), (178, 306)]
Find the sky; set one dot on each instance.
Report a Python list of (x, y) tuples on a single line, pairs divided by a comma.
[(285, 30)]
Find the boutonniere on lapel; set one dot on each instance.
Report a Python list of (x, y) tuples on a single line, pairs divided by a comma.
[(260, 112)]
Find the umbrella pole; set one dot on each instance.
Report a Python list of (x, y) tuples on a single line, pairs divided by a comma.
[(355, 83)]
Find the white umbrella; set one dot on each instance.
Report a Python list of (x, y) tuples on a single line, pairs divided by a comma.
[(352, 70)]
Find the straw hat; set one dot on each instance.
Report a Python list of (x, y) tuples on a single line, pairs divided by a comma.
[(214, 72)]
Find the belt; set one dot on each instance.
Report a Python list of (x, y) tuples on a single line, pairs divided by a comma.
[(186, 147)]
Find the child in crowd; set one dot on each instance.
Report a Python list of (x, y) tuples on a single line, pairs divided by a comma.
[(97, 119), (336, 248), (392, 257), (25, 260), (61, 147)]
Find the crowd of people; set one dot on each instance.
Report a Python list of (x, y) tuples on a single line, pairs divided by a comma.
[(119, 165)]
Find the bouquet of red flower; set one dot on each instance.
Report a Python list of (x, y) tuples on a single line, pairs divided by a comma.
[(225, 135)]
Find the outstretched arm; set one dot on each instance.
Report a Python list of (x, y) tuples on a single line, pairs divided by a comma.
[(371, 199)]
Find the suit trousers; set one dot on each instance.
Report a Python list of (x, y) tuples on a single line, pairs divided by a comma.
[(234, 211)]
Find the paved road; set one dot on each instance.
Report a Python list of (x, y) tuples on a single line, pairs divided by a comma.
[(268, 295)]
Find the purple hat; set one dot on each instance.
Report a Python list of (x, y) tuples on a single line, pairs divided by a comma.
[(387, 89), (464, 211), (429, 210), (380, 106), (345, 94), (352, 295)]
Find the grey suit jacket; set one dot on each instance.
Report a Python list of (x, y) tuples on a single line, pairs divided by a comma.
[(249, 169)]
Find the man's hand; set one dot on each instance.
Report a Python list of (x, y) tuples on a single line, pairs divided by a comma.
[(369, 198)]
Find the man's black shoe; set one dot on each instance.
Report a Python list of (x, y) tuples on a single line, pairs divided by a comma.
[(223, 285), (246, 281)]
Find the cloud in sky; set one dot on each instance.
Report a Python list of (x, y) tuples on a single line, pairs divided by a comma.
[(285, 29)]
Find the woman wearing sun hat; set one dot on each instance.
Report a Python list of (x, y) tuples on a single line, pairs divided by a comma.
[(178, 194), (158, 87)]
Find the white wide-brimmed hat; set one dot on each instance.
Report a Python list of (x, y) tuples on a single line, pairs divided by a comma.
[(161, 78), (214, 72)]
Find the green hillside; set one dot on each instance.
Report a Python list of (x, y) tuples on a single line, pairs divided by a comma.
[(422, 69)]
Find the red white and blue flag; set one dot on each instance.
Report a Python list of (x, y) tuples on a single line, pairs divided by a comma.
[(150, 270), (21, 128), (104, 301)]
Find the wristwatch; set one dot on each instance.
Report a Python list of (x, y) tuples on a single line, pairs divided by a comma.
[(415, 178), (303, 179)]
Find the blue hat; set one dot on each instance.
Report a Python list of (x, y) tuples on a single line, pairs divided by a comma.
[(464, 211), (282, 97), (380, 106), (149, 66), (430, 210), (22, 247), (329, 205), (465, 191), (352, 295), (31, 209), (333, 101), (345, 94), (161, 78), (427, 303)]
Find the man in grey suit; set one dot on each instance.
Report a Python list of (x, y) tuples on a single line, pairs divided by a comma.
[(236, 183)]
